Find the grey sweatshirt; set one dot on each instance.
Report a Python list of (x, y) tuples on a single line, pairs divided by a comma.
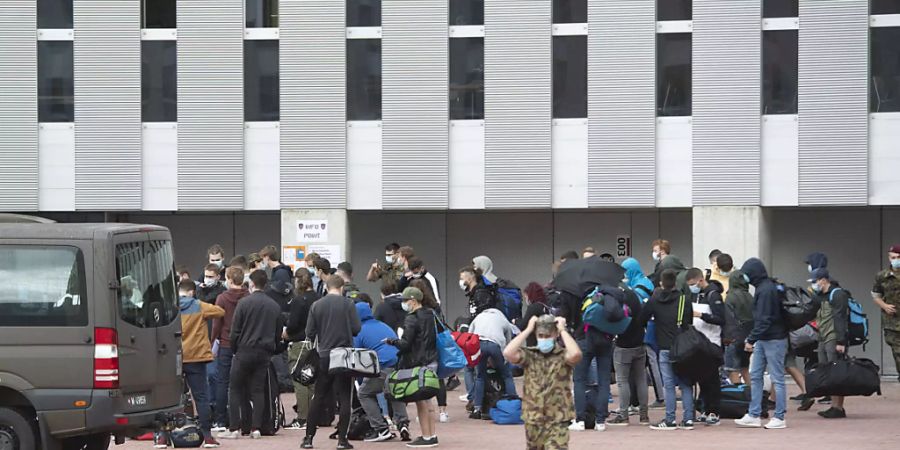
[(333, 320), (492, 325)]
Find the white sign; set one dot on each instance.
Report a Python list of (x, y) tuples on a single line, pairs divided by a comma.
[(312, 231), (330, 252), (623, 246)]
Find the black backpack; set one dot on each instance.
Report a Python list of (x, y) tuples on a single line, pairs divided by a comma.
[(797, 306)]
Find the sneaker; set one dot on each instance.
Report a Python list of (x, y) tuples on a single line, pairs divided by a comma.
[(633, 411), (833, 413), (686, 425), (825, 400), (229, 434), (464, 398), (421, 442), (404, 433), (577, 425), (776, 424), (470, 406), (307, 442), (209, 442), (379, 436), (658, 404), (645, 419), (600, 426), (344, 444), (713, 420), (748, 421), (218, 427), (444, 417), (664, 426), (475, 414), (255, 434), (799, 398), (161, 440), (297, 424), (701, 418), (806, 404), (453, 383), (618, 421)]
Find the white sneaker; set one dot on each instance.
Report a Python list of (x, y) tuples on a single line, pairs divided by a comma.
[(444, 418), (576, 425), (255, 434), (218, 428), (776, 424), (464, 398), (236, 434), (600, 426), (748, 421)]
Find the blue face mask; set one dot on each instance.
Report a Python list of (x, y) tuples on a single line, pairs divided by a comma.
[(546, 345), (695, 289), (895, 263), (746, 278), (312, 270), (816, 288)]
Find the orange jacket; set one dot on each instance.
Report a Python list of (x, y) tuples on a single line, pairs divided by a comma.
[(195, 342)]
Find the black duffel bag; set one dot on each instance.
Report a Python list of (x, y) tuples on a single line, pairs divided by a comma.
[(845, 377)]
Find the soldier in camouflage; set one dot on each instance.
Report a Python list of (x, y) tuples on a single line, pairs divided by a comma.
[(886, 294), (547, 404), (389, 269)]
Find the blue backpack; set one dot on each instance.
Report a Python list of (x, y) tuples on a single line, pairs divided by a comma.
[(858, 328), (604, 310), (509, 298), (507, 412)]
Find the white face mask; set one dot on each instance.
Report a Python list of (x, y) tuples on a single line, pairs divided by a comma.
[(809, 268), (655, 256), (389, 259), (210, 281), (462, 285)]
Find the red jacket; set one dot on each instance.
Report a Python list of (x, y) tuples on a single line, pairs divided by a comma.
[(228, 301)]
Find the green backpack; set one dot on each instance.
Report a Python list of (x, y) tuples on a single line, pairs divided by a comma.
[(413, 385)]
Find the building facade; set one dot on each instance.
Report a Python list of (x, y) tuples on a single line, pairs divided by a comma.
[(515, 128)]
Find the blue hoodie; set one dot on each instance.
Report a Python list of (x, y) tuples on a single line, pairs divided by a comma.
[(373, 334), (636, 278), (768, 321)]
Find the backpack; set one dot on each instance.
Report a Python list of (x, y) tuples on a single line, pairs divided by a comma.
[(507, 412), (858, 326), (797, 307), (470, 344), (508, 298), (604, 310)]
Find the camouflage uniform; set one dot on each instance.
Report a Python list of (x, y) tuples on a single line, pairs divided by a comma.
[(547, 403), (391, 272), (887, 284)]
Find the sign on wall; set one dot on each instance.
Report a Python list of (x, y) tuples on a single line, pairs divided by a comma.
[(292, 255), (312, 230), (330, 252), (623, 246)]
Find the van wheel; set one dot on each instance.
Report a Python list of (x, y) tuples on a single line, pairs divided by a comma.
[(90, 442), (16, 432)]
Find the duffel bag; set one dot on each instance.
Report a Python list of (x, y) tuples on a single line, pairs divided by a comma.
[(845, 377), (803, 337), (306, 368), (413, 385), (187, 436), (735, 401), (507, 412), (360, 362), (470, 344)]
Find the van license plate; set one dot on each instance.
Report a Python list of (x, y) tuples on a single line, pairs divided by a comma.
[(137, 400)]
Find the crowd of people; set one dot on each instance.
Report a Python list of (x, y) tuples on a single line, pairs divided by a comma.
[(240, 318)]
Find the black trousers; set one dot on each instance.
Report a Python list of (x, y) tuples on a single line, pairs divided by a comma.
[(711, 393), (249, 369), (326, 385)]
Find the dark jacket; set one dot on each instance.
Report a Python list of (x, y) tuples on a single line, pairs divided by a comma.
[(228, 301), (740, 301), (834, 315), (817, 260), (299, 307), (768, 321), (663, 309), (391, 312), (257, 324), (209, 294), (333, 320), (634, 334), (672, 262), (373, 335), (418, 346), (569, 306), (712, 296), (481, 297)]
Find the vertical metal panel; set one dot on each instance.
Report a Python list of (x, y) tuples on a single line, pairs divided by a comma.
[(211, 104), (415, 153), (107, 52), (313, 104), (726, 106), (622, 103), (833, 102), (518, 89), (18, 106)]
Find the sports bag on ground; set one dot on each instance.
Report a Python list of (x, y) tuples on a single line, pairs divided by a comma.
[(188, 436), (797, 306), (845, 377), (470, 344), (604, 310), (413, 385), (306, 368), (358, 362), (450, 357), (735, 401), (507, 411), (858, 326), (273, 410)]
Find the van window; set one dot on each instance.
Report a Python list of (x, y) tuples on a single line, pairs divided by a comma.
[(42, 286), (146, 274)]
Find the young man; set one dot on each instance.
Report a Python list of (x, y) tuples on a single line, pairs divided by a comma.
[(215, 254), (280, 276), (630, 361), (833, 318), (390, 311), (255, 338), (417, 270), (494, 332), (211, 286), (389, 269), (350, 289), (323, 271), (221, 332), (480, 296), (768, 342), (333, 321), (588, 252), (664, 307), (547, 402), (197, 352), (709, 318), (721, 269), (886, 294), (741, 302)]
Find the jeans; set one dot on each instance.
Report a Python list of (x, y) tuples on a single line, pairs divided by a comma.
[(469, 378), (195, 374), (368, 398), (329, 386), (247, 394), (631, 372), (603, 354), (669, 381), (223, 369), (492, 352), (653, 371), (213, 380), (768, 354)]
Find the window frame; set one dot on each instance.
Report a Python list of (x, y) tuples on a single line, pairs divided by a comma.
[(476, 92), (767, 101), (170, 16), (50, 23), (272, 112), (562, 106), (148, 106), (660, 91), (47, 101), (82, 317), (352, 8), (374, 104)]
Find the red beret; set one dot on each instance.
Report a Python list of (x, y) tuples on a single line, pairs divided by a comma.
[(895, 248)]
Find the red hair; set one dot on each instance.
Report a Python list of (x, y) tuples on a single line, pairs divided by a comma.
[(535, 293)]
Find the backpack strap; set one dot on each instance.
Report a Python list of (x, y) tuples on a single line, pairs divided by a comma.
[(680, 309), (831, 295)]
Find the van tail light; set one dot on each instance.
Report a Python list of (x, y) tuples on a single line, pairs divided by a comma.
[(106, 358)]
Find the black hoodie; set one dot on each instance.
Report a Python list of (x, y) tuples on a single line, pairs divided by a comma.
[(663, 309), (391, 312), (768, 321), (712, 296)]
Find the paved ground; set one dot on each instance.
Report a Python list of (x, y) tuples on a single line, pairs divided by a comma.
[(872, 424)]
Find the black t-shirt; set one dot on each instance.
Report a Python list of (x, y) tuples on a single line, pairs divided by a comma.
[(299, 308)]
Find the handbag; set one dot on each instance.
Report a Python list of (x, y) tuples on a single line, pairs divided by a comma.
[(306, 368), (693, 356), (360, 362), (450, 357), (413, 385)]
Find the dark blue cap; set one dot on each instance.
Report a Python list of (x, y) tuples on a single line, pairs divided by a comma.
[(819, 274)]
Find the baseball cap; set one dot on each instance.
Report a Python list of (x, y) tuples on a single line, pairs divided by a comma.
[(412, 292), (819, 274)]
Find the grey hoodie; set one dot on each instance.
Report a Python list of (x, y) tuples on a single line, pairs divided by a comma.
[(491, 325), (486, 266)]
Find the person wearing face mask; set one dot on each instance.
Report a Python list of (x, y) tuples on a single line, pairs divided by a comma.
[(720, 268), (211, 287), (322, 269), (666, 261), (389, 268), (295, 333), (832, 319), (886, 294), (417, 270), (660, 249), (494, 332), (547, 400), (221, 332), (480, 296), (709, 318), (215, 255), (630, 361), (816, 260)]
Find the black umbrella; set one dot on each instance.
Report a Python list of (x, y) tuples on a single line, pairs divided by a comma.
[(579, 276)]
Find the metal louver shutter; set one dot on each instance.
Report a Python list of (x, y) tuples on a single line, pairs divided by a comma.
[(622, 103), (517, 106), (726, 105), (18, 106), (210, 104), (313, 104), (833, 102), (107, 52), (415, 123)]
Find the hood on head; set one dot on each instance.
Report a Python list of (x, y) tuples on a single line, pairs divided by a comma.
[(755, 270), (817, 260), (668, 296), (671, 262), (364, 311), (486, 266), (632, 269), (395, 301), (736, 281)]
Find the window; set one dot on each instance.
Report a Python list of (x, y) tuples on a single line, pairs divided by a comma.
[(884, 7), (570, 11), (781, 8), (885, 68), (363, 79), (261, 84), (56, 85), (363, 13), (569, 77), (673, 74), (779, 88), (54, 14), (466, 78), (158, 13), (159, 75), (147, 297), (466, 12), (44, 286), (262, 14), (673, 9)]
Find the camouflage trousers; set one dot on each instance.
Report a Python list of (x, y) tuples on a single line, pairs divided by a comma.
[(547, 436), (892, 338)]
